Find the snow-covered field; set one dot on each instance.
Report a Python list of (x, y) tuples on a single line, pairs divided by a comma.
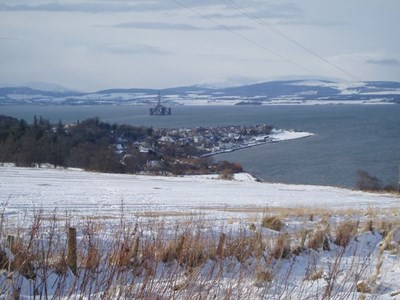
[(372, 258), (85, 193)]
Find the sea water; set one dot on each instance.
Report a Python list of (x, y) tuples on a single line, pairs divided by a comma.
[(347, 138)]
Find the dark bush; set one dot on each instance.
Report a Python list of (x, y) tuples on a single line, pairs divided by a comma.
[(367, 182)]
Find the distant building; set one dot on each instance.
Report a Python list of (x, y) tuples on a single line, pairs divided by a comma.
[(159, 109), (167, 140)]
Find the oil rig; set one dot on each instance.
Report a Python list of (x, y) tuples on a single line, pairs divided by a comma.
[(159, 109)]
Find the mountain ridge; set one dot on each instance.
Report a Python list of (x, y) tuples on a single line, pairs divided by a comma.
[(296, 91)]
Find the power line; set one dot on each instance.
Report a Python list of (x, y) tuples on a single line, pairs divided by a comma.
[(244, 37), (287, 37)]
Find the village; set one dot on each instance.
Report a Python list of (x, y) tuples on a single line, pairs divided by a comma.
[(205, 141)]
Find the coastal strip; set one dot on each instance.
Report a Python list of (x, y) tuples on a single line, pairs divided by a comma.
[(277, 135)]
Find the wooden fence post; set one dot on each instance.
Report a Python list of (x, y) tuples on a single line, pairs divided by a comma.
[(135, 248), (10, 245), (179, 248), (220, 248), (10, 242), (71, 250)]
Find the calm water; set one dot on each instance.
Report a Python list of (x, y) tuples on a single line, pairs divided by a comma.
[(348, 138)]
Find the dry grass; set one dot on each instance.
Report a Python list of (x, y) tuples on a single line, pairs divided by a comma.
[(319, 240), (369, 226), (363, 287), (263, 276), (272, 222), (281, 248), (344, 232), (315, 275), (156, 259)]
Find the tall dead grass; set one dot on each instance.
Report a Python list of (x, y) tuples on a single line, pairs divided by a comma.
[(182, 260)]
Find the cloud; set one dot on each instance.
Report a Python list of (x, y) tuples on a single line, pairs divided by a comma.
[(283, 10), (5, 38), (84, 7), (235, 58), (262, 11), (100, 6), (175, 26), (131, 49), (384, 62), (317, 23)]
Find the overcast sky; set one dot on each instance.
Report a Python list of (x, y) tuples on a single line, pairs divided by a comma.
[(97, 44)]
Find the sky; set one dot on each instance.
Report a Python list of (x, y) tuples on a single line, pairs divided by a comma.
[(97, 44)]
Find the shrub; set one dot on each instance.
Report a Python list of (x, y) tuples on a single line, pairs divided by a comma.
[(3, 260), (367, 182), (369, 226), (23, 260), (362, 287), (264, 276), (226, 174), (345, 232), (315, 275), (391, 188), (234, 167), (282, 247), (319, 240), (273, 223)]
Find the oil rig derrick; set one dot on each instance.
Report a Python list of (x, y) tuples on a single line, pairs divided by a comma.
[(159, 109)]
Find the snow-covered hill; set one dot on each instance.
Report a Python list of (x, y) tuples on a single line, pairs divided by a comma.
[(273, 92), (198, 215), (85, 193)]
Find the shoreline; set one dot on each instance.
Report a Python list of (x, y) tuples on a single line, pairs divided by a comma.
[(235, 149), (279, 136)]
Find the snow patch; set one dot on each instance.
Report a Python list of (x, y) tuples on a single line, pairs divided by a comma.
[(278, 135)]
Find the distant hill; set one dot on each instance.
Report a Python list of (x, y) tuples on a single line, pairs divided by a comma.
[(272, 92)]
